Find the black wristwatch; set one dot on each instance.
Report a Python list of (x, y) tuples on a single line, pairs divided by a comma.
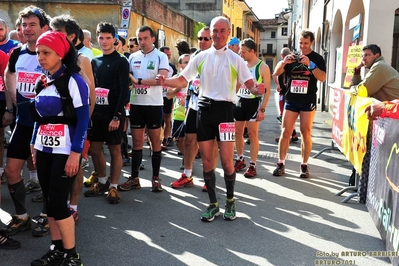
[(139, 81), (262, 110), (115, 118), (9, 110)]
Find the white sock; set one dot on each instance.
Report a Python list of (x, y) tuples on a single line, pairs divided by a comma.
[(113, 185), (188, 172), (74, 207), (240, 156), (22, 216), (33, 176), (102, 180), (281, 161)]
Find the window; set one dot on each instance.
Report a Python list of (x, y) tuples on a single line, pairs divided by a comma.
[(284, 31), (273, 35)]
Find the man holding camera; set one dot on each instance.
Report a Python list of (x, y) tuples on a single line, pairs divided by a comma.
[(303, 70)]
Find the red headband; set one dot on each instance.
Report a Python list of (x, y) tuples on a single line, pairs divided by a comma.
[(56, 41)]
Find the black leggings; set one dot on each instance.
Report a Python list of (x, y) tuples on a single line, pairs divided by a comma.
[(55, 186)]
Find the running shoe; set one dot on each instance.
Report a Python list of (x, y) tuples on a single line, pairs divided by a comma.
[(42, 227), (91, 180), (113, 196), (204, 188), (251, 171), (230, 210), (18, 225), (156, 184), (8, 243), (97, 189), (3, 178), (280, 170), (31, 186), (183, 181), (52, 257), (164, 144), (71, 260), (211, 212), (74, 214), (304, 172), (240, 164), (131, 183), (84, 163), (280, 118), (38, 198), (127, 161)]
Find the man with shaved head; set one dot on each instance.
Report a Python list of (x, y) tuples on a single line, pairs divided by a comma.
[(220, 69)]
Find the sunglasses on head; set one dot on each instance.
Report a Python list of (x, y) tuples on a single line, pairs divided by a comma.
[(132, 45), (204, 38)]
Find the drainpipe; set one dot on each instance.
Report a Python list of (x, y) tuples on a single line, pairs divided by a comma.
[(324, 108)]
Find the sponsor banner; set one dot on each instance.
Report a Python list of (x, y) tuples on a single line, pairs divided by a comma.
[(383, 184), (350, 125)]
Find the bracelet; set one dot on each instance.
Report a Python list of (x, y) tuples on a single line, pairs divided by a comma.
[(312, 65)]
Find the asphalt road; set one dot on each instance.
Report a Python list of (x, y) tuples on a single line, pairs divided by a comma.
[(281, 220)]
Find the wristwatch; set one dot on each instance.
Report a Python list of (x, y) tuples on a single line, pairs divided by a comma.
[(115, 118), (139, 81), (262, 110), (9, 110)]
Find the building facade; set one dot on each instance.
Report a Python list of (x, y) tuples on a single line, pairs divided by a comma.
[(244, 23)]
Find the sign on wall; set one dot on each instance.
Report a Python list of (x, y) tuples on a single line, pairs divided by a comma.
[(125, 17)]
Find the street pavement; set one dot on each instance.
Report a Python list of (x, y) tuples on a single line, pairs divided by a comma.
[(280, 220)]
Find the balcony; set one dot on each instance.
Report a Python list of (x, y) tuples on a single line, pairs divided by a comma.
[(269, 52)]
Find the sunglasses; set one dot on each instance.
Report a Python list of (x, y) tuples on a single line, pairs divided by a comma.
[(185, 62), (132, 45), (204, 38)]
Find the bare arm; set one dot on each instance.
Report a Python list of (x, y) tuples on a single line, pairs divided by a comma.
[(265, 72), (151, 82), (174, 82), (10, 83), (87, 74)]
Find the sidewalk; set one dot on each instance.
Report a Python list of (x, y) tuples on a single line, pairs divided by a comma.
[(281, 220)]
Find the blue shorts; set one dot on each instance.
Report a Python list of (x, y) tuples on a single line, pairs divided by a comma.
[(299, 107)]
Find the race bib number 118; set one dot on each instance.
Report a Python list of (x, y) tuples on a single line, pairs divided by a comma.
[(227, 131)]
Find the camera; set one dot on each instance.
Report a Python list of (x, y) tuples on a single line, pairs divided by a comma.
[(297, 56)]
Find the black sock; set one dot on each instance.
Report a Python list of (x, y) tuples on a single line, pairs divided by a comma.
[(156, 162), (230, 181), (18, 193), (58, 245), (71, 251), (137, 156), (210, 182)]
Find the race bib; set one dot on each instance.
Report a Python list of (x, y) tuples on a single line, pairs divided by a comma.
[(26, 83), (299, 86), (51, 135), (102, 96), (164, 91), (227, 131), (141, 90), (243, 91)]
